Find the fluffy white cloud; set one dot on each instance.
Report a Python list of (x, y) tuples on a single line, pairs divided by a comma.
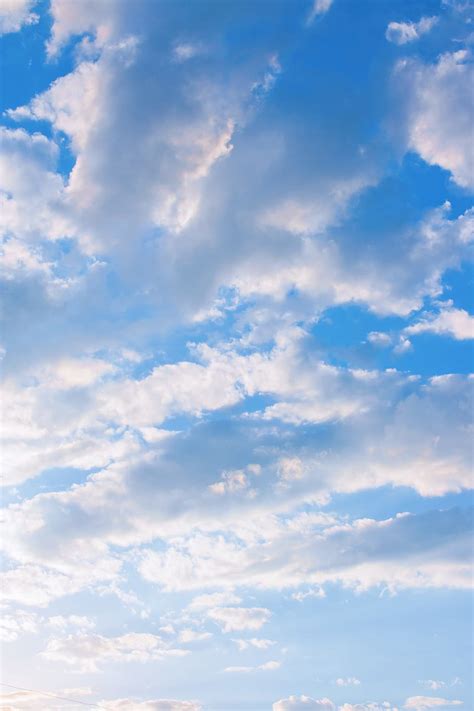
[(449, 321), (60, 540), (404, 32), (439, 112), (172, 156), (31, 191), (343, 553), (14, 14), (13, 626), (379, 339), (68, 417)]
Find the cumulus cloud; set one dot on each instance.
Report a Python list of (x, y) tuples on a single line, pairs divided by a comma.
[(85, 516), (403, 32), (343, 553), (15, 14), (169, 249), (31, 191), (449, 321), (439, 120), (84, 410)]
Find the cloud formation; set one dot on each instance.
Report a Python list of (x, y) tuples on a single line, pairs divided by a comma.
[(228, 452)]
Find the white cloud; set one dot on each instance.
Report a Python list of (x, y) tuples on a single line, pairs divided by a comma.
[(88, 652), (172, 213), (183, 51), (320, 7), (424, 703), (404, 344), (303, 703), (317, 592), (244, 644), (69, 18), (50, 425), (369, 706), (343, 553), (403, 32), (15, 14), (232, 619), (267, 666), (31, 192), (203, 602), (65, 622), (449, 321), (189, 635), (433, 684), (232, 482), (18, 700), (60, 540), (13, 626), (378, 338), (306, 703), (439, 113), (152, 705), (348, 681)]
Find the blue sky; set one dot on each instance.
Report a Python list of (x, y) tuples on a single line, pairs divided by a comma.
[(237, 341)]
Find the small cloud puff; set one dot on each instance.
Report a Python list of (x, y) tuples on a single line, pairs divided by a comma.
[(320, 7), (267, 666), (404, 32), (350, 681)]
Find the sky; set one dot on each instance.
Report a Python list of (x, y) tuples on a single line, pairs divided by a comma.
[(236, 343)]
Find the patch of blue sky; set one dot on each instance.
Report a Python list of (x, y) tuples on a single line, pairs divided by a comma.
[(386, 501), (459, 286)]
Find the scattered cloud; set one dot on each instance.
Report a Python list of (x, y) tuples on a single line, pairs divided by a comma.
[(435, 93), (232, 619), (15, 14), (404, 32), (88, 652), (448, 321), (424, 703), (348, 681), (266, 666)]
